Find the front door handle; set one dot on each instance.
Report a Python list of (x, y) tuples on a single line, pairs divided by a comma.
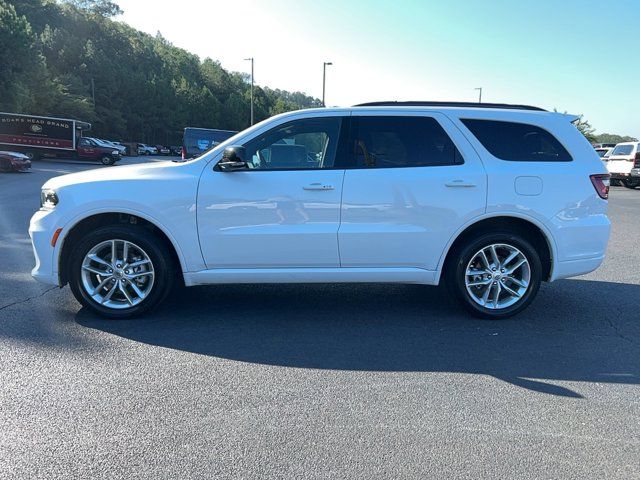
[(459, 183), (318, 186)]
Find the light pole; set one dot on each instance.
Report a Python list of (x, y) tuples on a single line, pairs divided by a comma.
[(324, 79), (251, 59), (479, 94)]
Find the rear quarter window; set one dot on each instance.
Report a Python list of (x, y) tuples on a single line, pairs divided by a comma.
[(517, 142)]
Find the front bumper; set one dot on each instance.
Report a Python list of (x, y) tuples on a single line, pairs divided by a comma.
[(41, 229), (21, 166)]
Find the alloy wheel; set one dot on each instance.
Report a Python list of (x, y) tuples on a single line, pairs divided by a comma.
[(117, 274), (497, 276)]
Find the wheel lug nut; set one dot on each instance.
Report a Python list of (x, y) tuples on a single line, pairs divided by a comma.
[(494, 269), (127, 272), (111, 270)]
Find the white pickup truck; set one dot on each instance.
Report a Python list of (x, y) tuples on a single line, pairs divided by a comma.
[(624, 164)]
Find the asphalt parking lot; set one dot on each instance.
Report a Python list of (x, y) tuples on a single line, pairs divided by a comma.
[(318, 381)]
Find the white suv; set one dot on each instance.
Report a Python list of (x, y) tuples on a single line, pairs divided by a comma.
[(489, 199), (624, 164)]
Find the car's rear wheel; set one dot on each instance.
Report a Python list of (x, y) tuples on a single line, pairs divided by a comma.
[(5, 165), (120, 272), (495, 275)]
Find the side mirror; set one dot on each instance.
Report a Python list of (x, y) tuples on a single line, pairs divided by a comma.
[(232, 159), (638, 155)]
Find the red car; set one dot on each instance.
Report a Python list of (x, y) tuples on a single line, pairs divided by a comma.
[(14, 162)]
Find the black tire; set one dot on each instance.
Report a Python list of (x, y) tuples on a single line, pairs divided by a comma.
[(5, 166), (33, 156), (630, 183), (455, 273), (107, 160), (155, 248)]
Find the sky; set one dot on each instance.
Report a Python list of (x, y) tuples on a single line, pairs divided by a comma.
[(579, 56)]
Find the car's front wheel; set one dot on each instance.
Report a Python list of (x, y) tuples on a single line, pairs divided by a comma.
[(495, 275), (107, 160), (120, 272)]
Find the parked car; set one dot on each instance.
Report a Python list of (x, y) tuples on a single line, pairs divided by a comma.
[(146, 149), (624, 164), (121, 148), (108, 144), (162, 150), (37, 136), (490, 201), (14, 162), (176, 150), (604, 152), (91, 149)]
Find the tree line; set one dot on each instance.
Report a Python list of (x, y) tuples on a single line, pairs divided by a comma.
[(73, 60)]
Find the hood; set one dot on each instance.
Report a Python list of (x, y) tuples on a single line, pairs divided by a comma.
[(144, 171)]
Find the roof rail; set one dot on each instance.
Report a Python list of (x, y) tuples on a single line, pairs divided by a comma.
[(505, 106)]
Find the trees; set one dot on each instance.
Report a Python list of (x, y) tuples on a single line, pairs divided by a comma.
[(612, 138), (22, 64), (54, 55), (586, 129), (590, 133)]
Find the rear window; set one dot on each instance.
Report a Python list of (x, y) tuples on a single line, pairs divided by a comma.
[(623, 150), (518, 142)]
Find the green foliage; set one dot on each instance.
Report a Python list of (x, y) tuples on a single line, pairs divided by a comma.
[(590, 133), (145, 88), (612, 138), (586, 129)]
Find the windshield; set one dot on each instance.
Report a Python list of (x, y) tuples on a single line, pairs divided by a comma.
[(623, 150)]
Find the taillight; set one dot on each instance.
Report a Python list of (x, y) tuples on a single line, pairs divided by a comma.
[(601, 184)]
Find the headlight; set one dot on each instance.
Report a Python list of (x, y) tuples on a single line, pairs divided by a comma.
[(48, 198), (115, 152)]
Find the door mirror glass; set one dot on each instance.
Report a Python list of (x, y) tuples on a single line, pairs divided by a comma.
[(232, 159), (638, 155)]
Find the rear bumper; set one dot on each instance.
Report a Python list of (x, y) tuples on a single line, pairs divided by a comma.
[(634, 173), (581, 241), (573, 268)]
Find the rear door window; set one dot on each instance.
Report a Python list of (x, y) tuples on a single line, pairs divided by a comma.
[(518, 142), (391, 142)]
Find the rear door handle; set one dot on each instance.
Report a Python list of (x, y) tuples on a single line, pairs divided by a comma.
[(318, 186), (460, 184)]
